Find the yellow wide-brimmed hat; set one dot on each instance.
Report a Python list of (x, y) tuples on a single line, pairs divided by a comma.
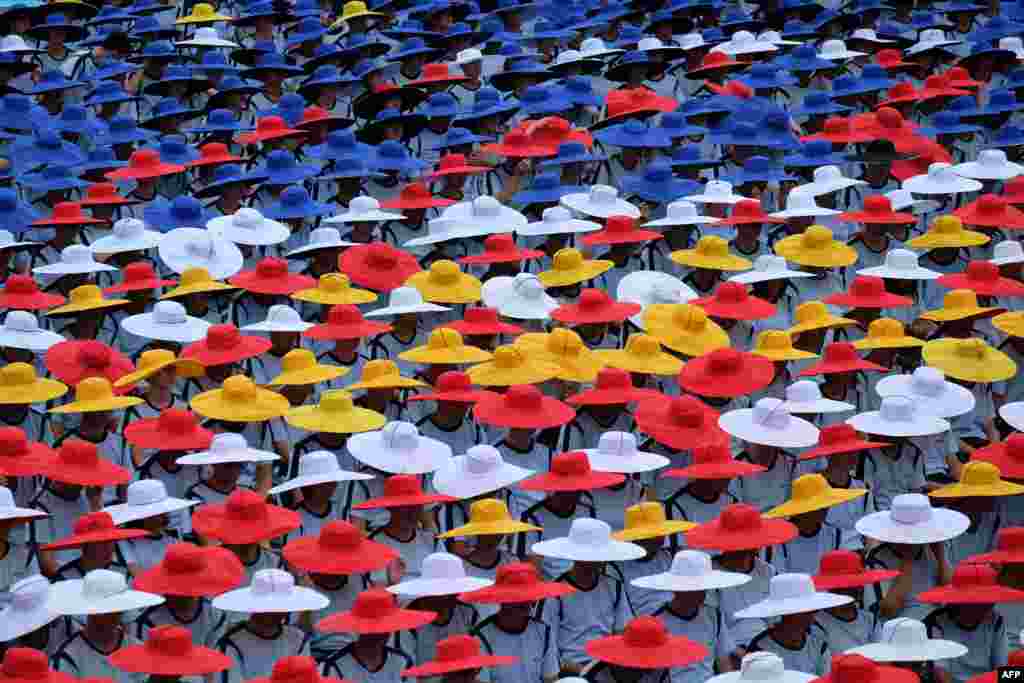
[(711, 253), (299, 367), (947, 232), (979, 479), (355, 9), (814, 315), (489, 517), (970, 360), (384, 374), (887, 333), (643, 354), (445, 283), (85, 298), (512, 365), (778, 345), (240, 400), (568, 267), (1011, 324), (960, 304), (564, 348), (202, 13), (813, 492), (94, 395), (335, 289), (685, 328), (152, 362), (335, 414), (445, 347), (20, 385), (196, 281), (647, 520), (816, 247)]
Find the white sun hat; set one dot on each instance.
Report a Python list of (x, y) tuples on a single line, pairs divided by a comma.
[(440, 574), (940, 179), (646, 287), (595, 48), (1013, 44), (168, 321), (101, 592), (716, 192), (601, 201), (991, 164), (21, 331), (556, 220), (775, 38), (404, 300), (766, 268), (930, 391), (227, 448), (184, 248), (617, 452), (206, 36), (1007, 252), (745, 43), (146, 498), (521, 297), (868, 35), (769, 423), (8, 509), (16, 44), (897, 416), (762, 667), (836, 49), (128, 234), (321, 238), (272, 591), (280, 318), (249, 227), (589, 540), (828, 179), (440, 230), (481, 470), (399, 448), (364, 209), (318, 467), (913, 521), (906, 640), (469, 56), (28, 609), (692, 41), (802, 205), (7, 241), (681, 212), (1013, 413), (75, 259), (486, 215), (792, 594), (902, 199), (929, 39), (804, 397), (691, 571), (901, 264)]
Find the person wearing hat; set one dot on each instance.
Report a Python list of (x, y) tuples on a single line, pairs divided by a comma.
[(20, 388), (645, 652), (316, 485), (904, 644), (1005, 556), (18, 547), (170, 653), (29, 620), (458, 660), (454, 398), (855, 623), (605, 407), (489, 524), (149, 508), (647, 526), (708, 479)]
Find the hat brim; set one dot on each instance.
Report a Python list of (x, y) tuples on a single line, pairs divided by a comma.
[(349, 296), (423, 587), (820, 502), (788, 676), (265, 405), (146, 326), (931, 650), (498, 528), (68, 598), (315, 419), (390, 622), (307, 554), (197, 661), (335, 476), (40, 391), (995, 367), (820, 406), (828, 582), (247, 601), (944, 525), (454, 478), (126, 512), (424, 307), (223, 261), (711, 536), (635, 463), (212, 521), (664, 364), (756, 374), (782, 607), (970, 595), (694, 259), (712, 580), (370, 449), (581, 202), (306, 376), (677, 652), (16, 623), (246, 347), (517, 594), (97, 405), (227, 457), (885, 272), (953, 401), (564, 549), (871, 422), (825, 322), (754, 276)]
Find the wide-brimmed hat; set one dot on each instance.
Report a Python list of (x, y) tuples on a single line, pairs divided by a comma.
[(384, 374), (887, 333), (138, 276), (249, 227), (842, 569), (854, 667), (828, 179), (457, 653), (517, 583), (20, 385), (224, 344), (75, 360), (912, 520), (227, 448), (185, 248), (244, 518), (991, 211), (933, 394), (648, 520), (96, 394), (971, 360), (841, 357), (816, 247), (155, 360), (521, 297), (399, 448), (78, 462), (11, 512), (740, 527), (868, 291), (168, 321), (766, 268), (898, 417), (900, 264), (192, 571), (513, 365), (906, 640), (375, 611), (340, 549), (769, 423), (643, 354), (271, 591), (569, 267), (941, 179), (960, 304), (595, 306), (101, 591), (777, 345), (804, 397), (318, 467), (601, 201), (445, 283), (239, 400), (440, 574), (714, 461), (991, 164), (22, 292), (589, 540), (726, 372), (1007, 455), (146, 498), (83, 299), (691, 571), (982, 277), (1009, 547), (480, 471), (732, 301), (877, 210), (571, 472), (972, 584), (562, 348), (271, 276), (683, 423), (813, 492), (839, 438), (762, 667), (169, 651), (557, 220), (20, 457), (145, 164), (489, 517), (344, 321), (523, 407), (404, 300), (792, 594), (646, 643), (453, 386), (299, 367), (617, 452), (75, 259), (29, 609), (947, 232), (335, 414), (197, 280), (712, 253), (979, 479)]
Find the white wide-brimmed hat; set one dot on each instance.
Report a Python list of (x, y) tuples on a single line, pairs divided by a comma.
[(827, 179), (913, 521), (440, 574), (929, 39), (8, 509), (617, 452), (321, 238), (804, 397), (486, 215), (227, 448), (691, 571), (762, 667), (904, 200), (469, 56), (556, 220), (766, 268), (146, 498), (940, 180), (441, 230), (521, 297), (769, 423), (991, 164), (868, 35), (803, 205), (249, 227), (589, 540), (101, 592), (184, 248), (364, 209), (898, 417), (1007, 252), (601, 201), (29, 608), (272, 591), (206, 36), (836, 49), (21, 331), (745, 43), (75, 259), (168, 321), (792, 594), (318, 467), (681, 213), (906, 640), (280, 318), (646, 287), (399, 448), (7, 241), (1013, 414), (930, 391), (901, 264), (716, 192), (128, 234), (595, 48), (17, 45), (1013, 44), (406, 300), (481, 470)]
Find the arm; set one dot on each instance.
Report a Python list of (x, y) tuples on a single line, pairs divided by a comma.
[(895, 599)]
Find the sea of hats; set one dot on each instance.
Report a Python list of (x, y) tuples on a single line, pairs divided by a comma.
[(511, 341)]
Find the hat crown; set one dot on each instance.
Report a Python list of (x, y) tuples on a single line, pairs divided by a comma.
[(803, 391), (444, 338), (816, 237), (911, 509), (725, 361), (482, 460), (516, 574), (223, 337), (128, 228), (18, 375), (645, 632), (146, 492), (691, 563), (86, 294), (75, 254), (618, 444), (298, 359), (93, 389), (841, 352), (590, 532), (901, 259), (239, 389), (28, 594), (980, 473), (100, 584), (603, 195), (970, 575), (970, 349), (762, 666), (373, 603), (272, 582), (740, 517), (78, 453), (225, 444), (184, 558), (712, 246), (556, 214), (928, 381), (790, 587), (342, 314), (810, 486), (909, 633), (444, 272), (21, 284), (442, 567), (25, 663), (271, 268), (457, 648), (567, 259), (570, 465), (13, 442), (340, 536), (681, 209), (337, 401), (613, 379), (983, 271), (486, 207), (400, 436), (840, 562), (731, 293), (245, 504), (995, 158), (169, 640), (405, 297), (643, 346), (379, 369), (991, 204), (686, 412)]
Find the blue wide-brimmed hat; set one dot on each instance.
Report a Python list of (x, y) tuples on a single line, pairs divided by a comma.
[(15, 215), (176, 75), (675, 124), (167, 108), (174, 149), (407, 28), (294, 203), (307, 29), (1001, 101), (688, 156), (572, 153), (340, 144), (1007, 136), (57, 21), (112, 15), (459, 137), (412, 47), (620, 70), (812, 154), (634, 134), (100, 158), (228, 174), (214, 61), (579, 91), (995, 28), (219, 121), (820, 104), (281, 168), (360, 46), (122, 131), (440, 105), (231, 85), (54, 177), (526, 67), (347, 168), (767, 76), (108, 92), (111, 69), (184, 211), (373, 131), (271, 62), (150, 27), (947, 123), (548, 30), (54, 81), (393, 156), (46, 146), (546, 188), (325, 76), (78, 120), (758, 169), (803, 59), (290, 107), (657, 183), (159, 50), (459, 31), (540, 100), (486, 103)]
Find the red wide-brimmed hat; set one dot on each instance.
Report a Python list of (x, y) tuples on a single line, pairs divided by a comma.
[(20, 457), (991, 211), (713, 63), (339, 550), (938, 85), (378, 266), (890, 124), (346, 321), (501, 249), (21, 292), (174, 429), (454, 386), (595, 307), (1007, 455), (517, 583), (1009, 548), (416, 196), (225, 344), (960, 77), (731, 301), (841, 131), (403, 490), (269, 128), (714, 461), (972, 584), (1013, 190), (77, 359), (138, 276), (455, 164), (104, 194), (244, 518), (840, 438), (892, 59), (213, 154), (192, 571), (877, 210), (145, 164), (900, 93), (645, 643), (480, 321), (841, 357), (613, 386), (571, 472), (683, 422), (67, 213), (620, 230), (523, 406), (169, 651), (457, 653), (726, 373), (436, 74), (25, 664), (271, 276), (982, 277), (78, 462), (375, 611), (516, 144), (748, 212), (94, 527), (740, 527), (860, 669), (840, 569), (867, 291), (297, 669)]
